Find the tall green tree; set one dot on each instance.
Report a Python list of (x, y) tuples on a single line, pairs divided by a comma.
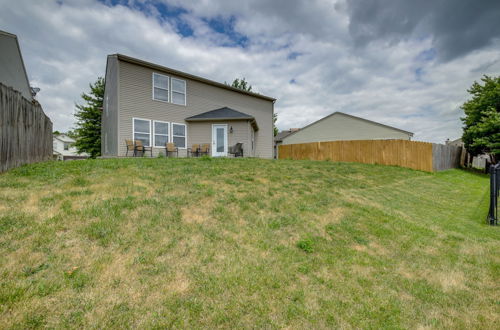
[(244, 85), (88, 116), (275, 129), (481, 131)]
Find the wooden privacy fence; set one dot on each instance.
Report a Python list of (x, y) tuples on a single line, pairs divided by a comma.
[(25, 130), (422, 156)]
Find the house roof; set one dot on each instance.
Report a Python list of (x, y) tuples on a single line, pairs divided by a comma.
[(10, 35), (221, 113), (351, 116), (64, 138), (224, 113), (281, 135), (189, 76)]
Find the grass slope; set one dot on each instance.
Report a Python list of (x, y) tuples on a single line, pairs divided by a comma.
[(245, 243)]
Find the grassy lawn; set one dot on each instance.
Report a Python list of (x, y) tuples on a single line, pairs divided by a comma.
[(245, 243)]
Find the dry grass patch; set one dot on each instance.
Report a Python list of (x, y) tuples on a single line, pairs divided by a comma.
[(230, 243)]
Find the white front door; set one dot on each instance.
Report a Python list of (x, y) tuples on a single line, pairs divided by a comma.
[(219, 140)]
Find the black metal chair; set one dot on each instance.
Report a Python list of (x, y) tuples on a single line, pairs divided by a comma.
[(139, 147), (170, 148), (205, 149), (236, 150), (130, 147), (194, 150)]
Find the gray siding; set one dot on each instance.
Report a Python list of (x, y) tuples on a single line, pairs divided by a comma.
[(341, 127), (12, 71), (109, 136), (135, 100)]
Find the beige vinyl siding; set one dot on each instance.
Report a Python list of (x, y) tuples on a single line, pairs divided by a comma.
[(341, 127), (135, 95), (109, 142), (12, 71), (201, 132)]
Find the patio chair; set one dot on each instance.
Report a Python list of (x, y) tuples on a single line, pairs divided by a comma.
[(171, 148), (130, 147), (139, 147), (194, 150), (205, 149), (236, 150)]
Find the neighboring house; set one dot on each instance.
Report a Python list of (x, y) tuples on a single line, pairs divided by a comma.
[(278, 139), (64, 148), (12, 71), (481, 161), (457, 143), (340, 126), (156, 104)]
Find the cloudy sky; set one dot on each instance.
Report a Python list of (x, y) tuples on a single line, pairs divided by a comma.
[(402, 63)]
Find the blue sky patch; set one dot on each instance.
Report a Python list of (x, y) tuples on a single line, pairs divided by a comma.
[(225, 25), (427, 55), (419, 72), (167, 13), (294, 55)]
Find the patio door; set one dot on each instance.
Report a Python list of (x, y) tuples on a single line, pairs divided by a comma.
[(219, 140)]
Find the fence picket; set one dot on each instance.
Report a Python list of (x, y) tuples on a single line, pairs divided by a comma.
[(422, 156), (25, 130)]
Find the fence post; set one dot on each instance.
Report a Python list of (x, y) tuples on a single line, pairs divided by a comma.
[(494, 189)]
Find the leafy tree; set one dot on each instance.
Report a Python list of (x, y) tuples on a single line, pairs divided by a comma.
[(56, 133), (242, 84), (71, 134), (88, 124), (482, 118), (275, 129)]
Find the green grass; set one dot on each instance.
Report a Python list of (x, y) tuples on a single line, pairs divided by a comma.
[(160, 243)]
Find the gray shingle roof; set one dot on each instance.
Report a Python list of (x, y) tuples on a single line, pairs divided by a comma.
[(222, 113), (281, 135)]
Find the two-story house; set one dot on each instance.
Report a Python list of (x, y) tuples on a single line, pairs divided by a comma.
[(155, 104), (63, 148)]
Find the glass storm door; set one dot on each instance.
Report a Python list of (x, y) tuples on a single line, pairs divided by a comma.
[(219, 140)]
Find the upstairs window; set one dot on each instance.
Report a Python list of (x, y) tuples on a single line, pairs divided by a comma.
[(178, 91), (142, 131), (179, 135), (160, 133), (160, 87)]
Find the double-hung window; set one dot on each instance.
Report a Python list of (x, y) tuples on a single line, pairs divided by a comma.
[(161, 129), (160, 87), (179, 135), (142, 131), (178, 91)]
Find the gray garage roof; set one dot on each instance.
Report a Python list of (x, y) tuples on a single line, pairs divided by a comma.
[(224, 113)]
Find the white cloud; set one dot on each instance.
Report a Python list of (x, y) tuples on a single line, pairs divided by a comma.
[(65, 47)]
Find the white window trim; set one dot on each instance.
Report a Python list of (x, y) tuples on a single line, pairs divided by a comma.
[(186, 136), (172, 92), (153, 89), (154, 132), (133, 129)]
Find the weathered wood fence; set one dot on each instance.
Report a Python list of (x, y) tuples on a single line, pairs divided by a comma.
[(25, 130), (422, 156)]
